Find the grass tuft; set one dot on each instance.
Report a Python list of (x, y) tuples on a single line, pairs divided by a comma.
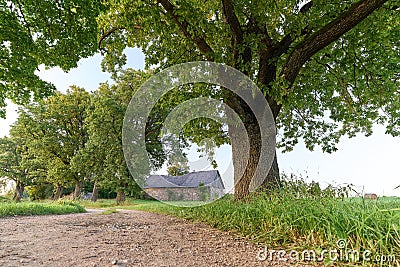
[(109, 211), (35, 208)]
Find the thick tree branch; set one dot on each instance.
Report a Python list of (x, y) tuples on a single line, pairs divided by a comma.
[(267, 66), (24, 19), (184, 27), (284, 45), (326, 35), (237, 32), (288, 39), (306, 7), (232, 20), (108, 33)]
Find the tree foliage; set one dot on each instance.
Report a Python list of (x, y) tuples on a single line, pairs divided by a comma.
[(54, 131), (74, 139), (103, 158), (12, 165), (335, 66), (178, 169), (42, 32)]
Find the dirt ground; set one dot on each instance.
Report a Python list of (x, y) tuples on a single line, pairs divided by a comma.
[(126, 238)]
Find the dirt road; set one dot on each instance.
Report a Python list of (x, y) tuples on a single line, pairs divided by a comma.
[(128, 238)]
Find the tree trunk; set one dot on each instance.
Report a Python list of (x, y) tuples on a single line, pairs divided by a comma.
[(58, 193), (19, 191), (273, 179), (78, 189), (121, 197), (246, 170), (247, 147), (245, 154), (251, 159), (95, 192)]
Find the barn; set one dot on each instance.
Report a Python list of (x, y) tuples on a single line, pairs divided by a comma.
[(194, 186)]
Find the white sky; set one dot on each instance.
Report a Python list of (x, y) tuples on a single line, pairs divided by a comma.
[(370, 163)]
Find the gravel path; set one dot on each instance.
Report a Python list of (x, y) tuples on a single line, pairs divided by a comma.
[(126, 238)]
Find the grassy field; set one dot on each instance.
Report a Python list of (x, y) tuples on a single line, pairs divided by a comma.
[(9, 208), (137, 204), (285, 221)]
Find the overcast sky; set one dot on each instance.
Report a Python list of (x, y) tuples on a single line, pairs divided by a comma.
[(370, 163)]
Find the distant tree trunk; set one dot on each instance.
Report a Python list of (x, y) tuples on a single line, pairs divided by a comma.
[(95, 192), (121, 197), (19, 191), (58, 193), (78, 189)]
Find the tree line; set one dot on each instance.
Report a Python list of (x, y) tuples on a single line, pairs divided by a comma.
[(71, 141)]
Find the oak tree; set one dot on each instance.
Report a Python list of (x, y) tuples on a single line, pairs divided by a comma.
[(102, 157), (55, 132), (12, 167), (327, 69)]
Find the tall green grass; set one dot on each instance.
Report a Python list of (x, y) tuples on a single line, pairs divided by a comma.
[(284, 221), (4, 199), (35, 208), (109, 203)]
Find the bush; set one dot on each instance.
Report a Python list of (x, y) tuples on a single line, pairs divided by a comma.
[(40, 191)]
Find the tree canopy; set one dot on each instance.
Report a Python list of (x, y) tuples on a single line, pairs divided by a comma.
[(102, 157), (42, 32), (335, 66), (73, 141), (13, 164)]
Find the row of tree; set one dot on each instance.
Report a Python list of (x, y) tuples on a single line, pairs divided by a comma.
[(70, 141)]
